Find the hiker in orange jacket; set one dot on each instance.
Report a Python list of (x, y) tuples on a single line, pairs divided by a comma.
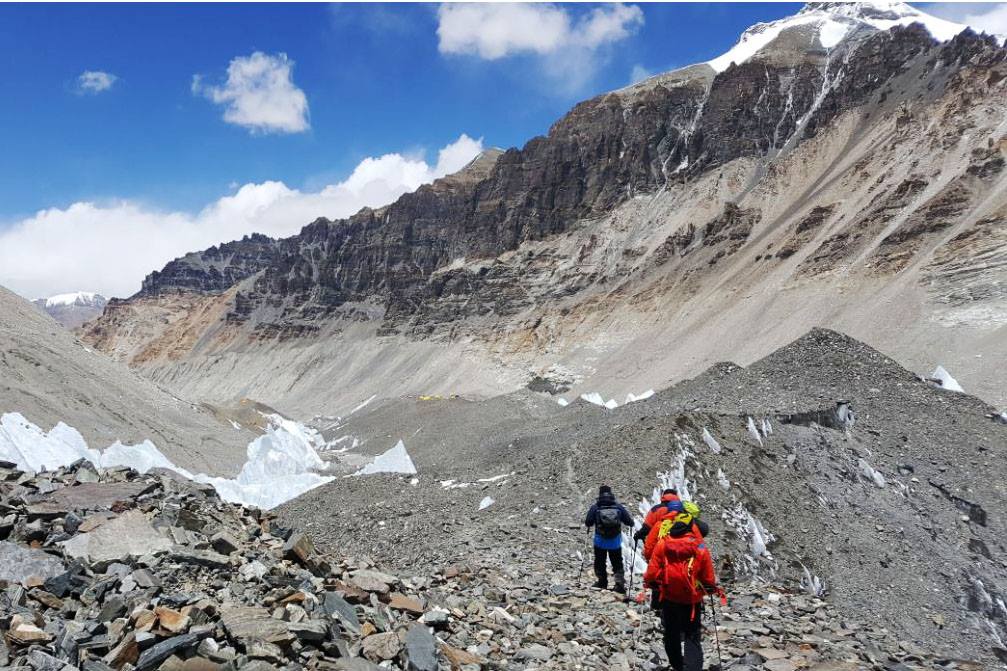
[(680, 572)]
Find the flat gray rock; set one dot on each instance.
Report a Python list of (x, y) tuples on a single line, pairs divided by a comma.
[(254, 624), (88, 496), (421, 649), (18, 563), (128, 535)]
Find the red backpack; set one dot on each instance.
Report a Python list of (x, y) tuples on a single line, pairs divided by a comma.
[(677, 582)]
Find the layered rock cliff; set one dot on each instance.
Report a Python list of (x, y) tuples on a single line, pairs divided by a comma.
[(854, 183)]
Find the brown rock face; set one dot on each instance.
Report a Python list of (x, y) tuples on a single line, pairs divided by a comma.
[(605, 150), (694, 201)]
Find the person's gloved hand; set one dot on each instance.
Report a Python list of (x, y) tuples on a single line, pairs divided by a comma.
[(640, 534)]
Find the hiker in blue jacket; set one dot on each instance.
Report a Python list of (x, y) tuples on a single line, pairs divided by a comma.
[(608, 516)]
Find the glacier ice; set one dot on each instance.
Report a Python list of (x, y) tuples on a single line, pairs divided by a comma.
[(395, 460), (722, 480), (280, 463), (947, 382), (633, 398), (871, 474), (710, 441), (753, 431)]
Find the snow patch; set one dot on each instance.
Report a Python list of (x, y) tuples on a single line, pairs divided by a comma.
[(766, 428), (486, 503), (831, 33), (395, 460), (364, 404), (496, 478), (945, 380), (279, 467), (563, 402)]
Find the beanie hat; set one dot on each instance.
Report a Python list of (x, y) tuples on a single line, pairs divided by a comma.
[(604, 489)]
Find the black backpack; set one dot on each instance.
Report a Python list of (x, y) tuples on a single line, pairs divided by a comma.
[(608, 522)]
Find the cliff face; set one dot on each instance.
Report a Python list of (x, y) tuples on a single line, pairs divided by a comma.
[(213, 270), (805, 162)]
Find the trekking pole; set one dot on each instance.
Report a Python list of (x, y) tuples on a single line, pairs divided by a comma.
[(583, 558), (716, 634), (632, 567)]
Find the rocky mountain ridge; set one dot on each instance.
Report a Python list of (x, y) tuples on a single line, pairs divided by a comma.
[(850, 177)]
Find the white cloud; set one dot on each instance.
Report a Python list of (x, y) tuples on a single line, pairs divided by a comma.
[(568, 45), (639, 73), (95, 81), (982, 18), (110, 247), (259, 94)]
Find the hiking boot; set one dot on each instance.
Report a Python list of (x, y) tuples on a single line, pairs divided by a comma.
[(621, 589), (600, 585)]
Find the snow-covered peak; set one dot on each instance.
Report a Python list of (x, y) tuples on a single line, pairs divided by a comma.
[(832, 22), (885, 15), (81, 298)]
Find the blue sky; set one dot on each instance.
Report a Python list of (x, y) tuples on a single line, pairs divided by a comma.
[(118, 116), (374, 80)]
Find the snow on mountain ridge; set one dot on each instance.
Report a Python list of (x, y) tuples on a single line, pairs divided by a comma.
[(82, 298), (834, 21)]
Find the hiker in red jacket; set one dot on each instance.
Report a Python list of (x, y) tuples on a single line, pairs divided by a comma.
[(681, 572), (668, 509)]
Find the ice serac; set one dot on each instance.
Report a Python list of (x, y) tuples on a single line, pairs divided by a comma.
[(841, 167), (395, 460), (281, 464)]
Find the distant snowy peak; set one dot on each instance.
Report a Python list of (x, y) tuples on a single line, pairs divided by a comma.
[(833, 22), (72, 310), (84, 299)]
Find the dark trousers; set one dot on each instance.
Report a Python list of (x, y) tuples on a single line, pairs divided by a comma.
[(682, 625), (615, 556)]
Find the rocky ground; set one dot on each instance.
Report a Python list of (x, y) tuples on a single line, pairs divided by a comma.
[(114, 570), (899, 513)]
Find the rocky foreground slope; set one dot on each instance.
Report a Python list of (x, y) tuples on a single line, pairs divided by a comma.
[(896, 508), (841, 168), (112, 570)]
